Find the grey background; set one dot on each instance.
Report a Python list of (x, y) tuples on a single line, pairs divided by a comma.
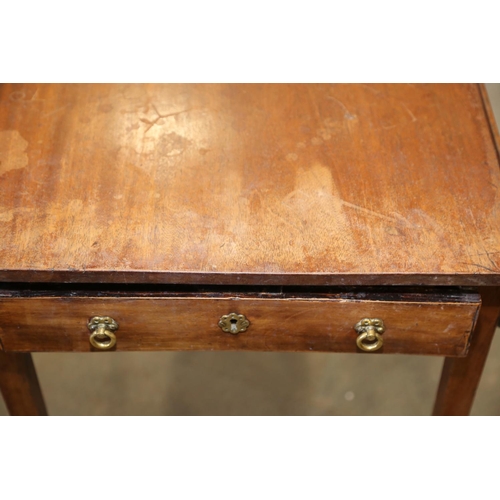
[(225, 383)]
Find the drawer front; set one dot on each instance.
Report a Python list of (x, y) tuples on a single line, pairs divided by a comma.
[(276, 324)]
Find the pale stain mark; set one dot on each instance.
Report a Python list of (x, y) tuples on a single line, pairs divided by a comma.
[(105, 108), (12, 151), (317, 199), (320, 177), (135, 126), (276, 214), (173, 144), (392, 231), (18, 95), (8, 215), (324, 134)]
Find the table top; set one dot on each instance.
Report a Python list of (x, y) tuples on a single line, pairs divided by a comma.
[(248, 184)]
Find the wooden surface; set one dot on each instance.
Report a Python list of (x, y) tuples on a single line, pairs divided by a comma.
[(19, 385), (460, 378), (264, 184), (414, 325)]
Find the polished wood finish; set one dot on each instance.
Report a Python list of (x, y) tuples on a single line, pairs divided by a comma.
[(284, 184), (286, 322), (460, 378), (265, 185), (19, 385)]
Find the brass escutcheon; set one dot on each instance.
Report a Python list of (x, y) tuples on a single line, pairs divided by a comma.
[(234, 323), (102, 337), (369, 334)]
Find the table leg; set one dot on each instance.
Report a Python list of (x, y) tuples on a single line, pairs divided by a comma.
[(461, 376), (19, 384)]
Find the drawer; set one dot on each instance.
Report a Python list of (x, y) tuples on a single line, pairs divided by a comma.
[(415, 323)]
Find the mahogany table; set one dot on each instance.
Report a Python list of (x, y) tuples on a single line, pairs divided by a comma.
[(334, 218)]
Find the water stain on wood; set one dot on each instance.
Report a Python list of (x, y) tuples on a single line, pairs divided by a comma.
[(192, 178), (12, 151)]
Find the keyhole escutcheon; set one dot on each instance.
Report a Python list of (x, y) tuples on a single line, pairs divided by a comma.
[(233, 323)]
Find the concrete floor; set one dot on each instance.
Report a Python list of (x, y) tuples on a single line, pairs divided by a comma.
[(222, 383)]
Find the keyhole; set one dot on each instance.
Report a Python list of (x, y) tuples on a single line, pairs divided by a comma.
[(233, 327)]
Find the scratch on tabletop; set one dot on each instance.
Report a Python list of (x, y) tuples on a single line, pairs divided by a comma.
[(479, 265), (347, 114), (370, 212)]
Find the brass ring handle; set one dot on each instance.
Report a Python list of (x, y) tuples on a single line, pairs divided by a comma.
[(370, 334), (102, 337), (372, 346)]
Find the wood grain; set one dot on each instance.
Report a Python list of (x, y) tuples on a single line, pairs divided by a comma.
[(256, 184), (276, 324), (460, 378), (19, 385)]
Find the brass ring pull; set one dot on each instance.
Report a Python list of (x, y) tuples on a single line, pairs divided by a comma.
[(102, 337), (370, 334)]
